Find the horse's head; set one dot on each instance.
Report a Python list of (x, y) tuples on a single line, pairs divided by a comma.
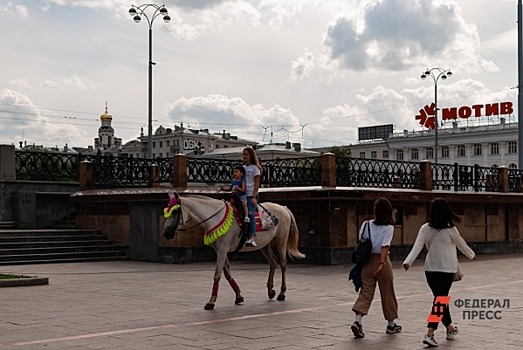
[(172, 215)]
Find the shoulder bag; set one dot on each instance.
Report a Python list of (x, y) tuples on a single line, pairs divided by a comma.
[(362, 251)]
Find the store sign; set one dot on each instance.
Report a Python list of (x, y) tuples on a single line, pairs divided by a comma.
[(191, 144), (427, 114)]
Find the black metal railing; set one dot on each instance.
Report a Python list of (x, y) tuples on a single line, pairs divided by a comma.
[(515, 180), (210, 171), (357, 172), (291, 172), (109, 171), (45, 166)]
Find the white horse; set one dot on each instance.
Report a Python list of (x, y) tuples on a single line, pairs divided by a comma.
[(222, 232)]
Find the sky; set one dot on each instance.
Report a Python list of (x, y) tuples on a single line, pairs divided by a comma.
[(305, 71)]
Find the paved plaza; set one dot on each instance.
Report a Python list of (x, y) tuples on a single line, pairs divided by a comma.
[(142, 305)]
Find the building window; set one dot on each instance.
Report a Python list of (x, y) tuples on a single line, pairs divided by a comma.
[(373, 155), (429, 152), (461, 151), (362, 155), (478, 149), (386, 154), (154, 144), (512, 147), (414, 153), (161, 144), (445, 152), (399, 154), (168, 143), (494, 148)]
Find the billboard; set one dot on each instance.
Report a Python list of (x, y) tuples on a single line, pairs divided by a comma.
[(375, 132)]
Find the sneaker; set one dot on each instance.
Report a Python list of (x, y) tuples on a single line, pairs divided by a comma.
[(357, 329), (248, 243), (394, 329), (253, 243), (430, 341), (246, 219), (452, 335)]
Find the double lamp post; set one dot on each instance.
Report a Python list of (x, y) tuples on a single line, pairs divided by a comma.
[(436, 74), (137, 12)]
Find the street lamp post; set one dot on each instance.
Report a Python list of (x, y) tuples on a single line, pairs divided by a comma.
[(436, 74), (137, 12)]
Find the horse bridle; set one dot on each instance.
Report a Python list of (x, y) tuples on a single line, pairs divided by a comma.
[(201, 222)]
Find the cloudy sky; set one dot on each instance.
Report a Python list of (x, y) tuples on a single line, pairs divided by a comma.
[(308, 71)]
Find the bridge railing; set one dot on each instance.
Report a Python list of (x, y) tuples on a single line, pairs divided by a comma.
[(326, 170)]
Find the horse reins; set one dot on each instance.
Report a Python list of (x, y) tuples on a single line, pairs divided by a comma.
[(210, 217)]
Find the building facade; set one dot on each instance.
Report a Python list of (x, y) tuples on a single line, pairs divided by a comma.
[(167, 142), (492, 145)]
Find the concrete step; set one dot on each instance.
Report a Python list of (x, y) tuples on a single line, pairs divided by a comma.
[(35, 246), (7, 224), (71, 256)]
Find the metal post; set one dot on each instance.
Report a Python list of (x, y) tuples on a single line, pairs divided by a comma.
[(150, 99), (436, 121), (137, 12), (436, 74), (520, 86)]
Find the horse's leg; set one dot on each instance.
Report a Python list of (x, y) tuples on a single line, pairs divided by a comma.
[(220, 262), (232, 282), (273, 262), (282, 251)]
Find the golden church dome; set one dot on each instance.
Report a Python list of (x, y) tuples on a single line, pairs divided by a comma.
[(106, 115)]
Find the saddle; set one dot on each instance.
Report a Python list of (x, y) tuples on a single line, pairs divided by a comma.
[(240, 216)]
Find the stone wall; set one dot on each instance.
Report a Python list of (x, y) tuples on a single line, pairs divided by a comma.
[(328, 219)]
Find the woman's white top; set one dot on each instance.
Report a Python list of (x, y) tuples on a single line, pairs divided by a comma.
[(381, 235), (442, 255), (251, 171)]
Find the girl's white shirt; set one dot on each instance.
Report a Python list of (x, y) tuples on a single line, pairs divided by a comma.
[(251, 171), (381, 235)]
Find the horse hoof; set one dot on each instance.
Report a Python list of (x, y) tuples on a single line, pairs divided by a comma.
[(272, 294), (281, 297), (239, 300), (209, 306)]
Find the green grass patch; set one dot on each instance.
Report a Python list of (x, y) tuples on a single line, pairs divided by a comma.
[(9, 276)]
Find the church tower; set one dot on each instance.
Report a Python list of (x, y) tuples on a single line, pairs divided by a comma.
[(106, 140)]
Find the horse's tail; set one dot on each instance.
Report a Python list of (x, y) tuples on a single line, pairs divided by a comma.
[(292, 241)]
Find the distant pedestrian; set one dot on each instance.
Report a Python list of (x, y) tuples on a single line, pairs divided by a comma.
[(378, 270), (441, 237)]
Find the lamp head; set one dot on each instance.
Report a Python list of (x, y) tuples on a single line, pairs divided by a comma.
[(132, 11), (163, 11), (423, 76), (444, 77), (427, 72), (449, 74), (166, 18), (137, 19)]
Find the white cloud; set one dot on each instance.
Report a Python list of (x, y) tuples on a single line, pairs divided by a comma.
[(302, 66), (397, 38), (26, 122)]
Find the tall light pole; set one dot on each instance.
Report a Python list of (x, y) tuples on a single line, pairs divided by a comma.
[(436, 74), (520, 85), (138, 12)]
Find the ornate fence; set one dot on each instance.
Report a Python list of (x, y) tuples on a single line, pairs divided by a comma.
[(113, 172)]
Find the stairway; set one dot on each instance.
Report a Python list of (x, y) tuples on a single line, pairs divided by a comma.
[(40, 246)]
